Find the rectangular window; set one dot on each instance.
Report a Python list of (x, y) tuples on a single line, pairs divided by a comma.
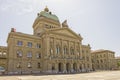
[(0, 53), (65, 50), (72, 51), (29, 65), (19, 65), (29, 54), (19, 53), (29, 44), (19, 43), (38, 55), (38, 45), (57, 50), (51, 51), (39, 66)]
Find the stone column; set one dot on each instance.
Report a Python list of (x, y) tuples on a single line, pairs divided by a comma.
[(71, 64), (54, 47), (80, 53), (64, 70), (56, 67)]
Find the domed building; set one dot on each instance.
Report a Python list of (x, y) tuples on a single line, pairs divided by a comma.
[(53, 48)]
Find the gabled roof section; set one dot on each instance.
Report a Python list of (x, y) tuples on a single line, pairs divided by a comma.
[(65, 32), (101, 50), (22, 35)]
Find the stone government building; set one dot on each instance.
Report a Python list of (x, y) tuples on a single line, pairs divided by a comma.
[(103, 59), (53, 48)]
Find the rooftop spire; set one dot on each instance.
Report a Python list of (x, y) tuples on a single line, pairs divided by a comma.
[(46, 9)]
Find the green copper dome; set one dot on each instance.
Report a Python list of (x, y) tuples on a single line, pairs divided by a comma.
[(48, 15)]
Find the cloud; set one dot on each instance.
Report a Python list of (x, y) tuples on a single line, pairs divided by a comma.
[(19, 7)]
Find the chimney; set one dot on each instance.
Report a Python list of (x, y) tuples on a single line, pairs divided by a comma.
[(13, 30)]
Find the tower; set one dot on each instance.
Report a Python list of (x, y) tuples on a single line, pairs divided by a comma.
[(45, 20)]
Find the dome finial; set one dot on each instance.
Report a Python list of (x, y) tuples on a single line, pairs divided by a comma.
[(46, 9)]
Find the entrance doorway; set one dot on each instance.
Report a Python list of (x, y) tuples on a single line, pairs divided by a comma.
[(75, 67), (60, 67), (68, 67)]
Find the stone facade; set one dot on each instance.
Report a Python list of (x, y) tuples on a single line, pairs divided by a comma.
[(103, 60), (53, 48), (117, 59), (3, 57)]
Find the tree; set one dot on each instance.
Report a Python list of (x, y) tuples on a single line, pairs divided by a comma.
[(118, 64)]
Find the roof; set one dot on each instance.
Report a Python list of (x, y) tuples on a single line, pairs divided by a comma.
[(101, 50), (23, 35), (118, 57), (3, 46), (63, 28), (48, 15)]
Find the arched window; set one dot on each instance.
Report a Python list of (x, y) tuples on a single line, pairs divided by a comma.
[(71, 50), (65, 50), (19, 53), (57, 49)]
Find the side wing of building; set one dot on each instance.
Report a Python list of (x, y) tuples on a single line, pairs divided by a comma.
[(24, 53)]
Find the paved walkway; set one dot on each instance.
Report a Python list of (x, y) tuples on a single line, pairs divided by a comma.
[(103, 75)]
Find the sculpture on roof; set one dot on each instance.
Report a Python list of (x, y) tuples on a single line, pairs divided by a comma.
[(46, 9), (64, 24)]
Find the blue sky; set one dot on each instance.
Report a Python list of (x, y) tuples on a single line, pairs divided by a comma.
[(98, 21)]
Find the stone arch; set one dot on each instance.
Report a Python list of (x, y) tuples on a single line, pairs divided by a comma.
[(80, 67), (2, 67), (74, 66), (60, 67), (68, 67), (53, 66), (58, 49)]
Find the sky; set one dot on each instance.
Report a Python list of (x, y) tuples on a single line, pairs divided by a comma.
[(98, 21)]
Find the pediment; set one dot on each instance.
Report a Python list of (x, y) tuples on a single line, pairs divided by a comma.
[(65, 32)]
